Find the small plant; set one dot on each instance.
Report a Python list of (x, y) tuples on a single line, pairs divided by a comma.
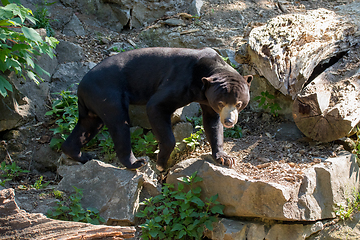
[(58, 194), (264, 103), (235, 132), (11, 171), (195, 138), (116, 49), (345, 211), (107, 145), (176, 214), (42, 18), (39, 185), (66, 110), (73, 211), (143, 143)]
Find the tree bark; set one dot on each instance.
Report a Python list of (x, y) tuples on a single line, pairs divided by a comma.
[(18, 224), (329, 107), (288, 48)]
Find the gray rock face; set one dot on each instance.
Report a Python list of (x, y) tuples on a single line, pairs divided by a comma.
[(69, 52), (74, 27), (113, 191), (323, 186), (68, 75)]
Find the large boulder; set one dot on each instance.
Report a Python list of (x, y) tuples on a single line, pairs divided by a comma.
[(322, 187), (113, 191)]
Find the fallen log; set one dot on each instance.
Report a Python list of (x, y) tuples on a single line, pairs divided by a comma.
[(18, 224), (329, 107), (289, 50)]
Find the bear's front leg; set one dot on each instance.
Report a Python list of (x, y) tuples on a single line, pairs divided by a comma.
[(214, 131), (160, 121)]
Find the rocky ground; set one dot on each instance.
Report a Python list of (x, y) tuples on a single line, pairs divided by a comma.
[(271, 147)]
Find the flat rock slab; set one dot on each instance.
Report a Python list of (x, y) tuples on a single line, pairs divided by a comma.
[(232, 230), (312, 198), (113, 191)]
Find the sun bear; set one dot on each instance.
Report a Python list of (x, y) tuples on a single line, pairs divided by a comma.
[(163, 79)]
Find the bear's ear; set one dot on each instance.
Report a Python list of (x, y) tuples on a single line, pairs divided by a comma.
[(207, 82), (248, 79)]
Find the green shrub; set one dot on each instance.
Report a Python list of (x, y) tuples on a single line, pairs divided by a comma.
[(73, 211), (235, 132), (143, 143), (18, 48), (42, 16), (65, 110), (176, 214), (9, 171), (264, 103)]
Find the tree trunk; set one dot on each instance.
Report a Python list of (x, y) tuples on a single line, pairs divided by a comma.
[(329, 107), (290, 49), (18, 224)]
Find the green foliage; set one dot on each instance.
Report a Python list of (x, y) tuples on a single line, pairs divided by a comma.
[(345, 211), (58, 194), (195, 138), (107, 145), (176, 214), (73, 211), (39, 185), (227, 60), (42, 16), (66, 112), (235, 132), (116, 49), (143, 143), (10, 171), (18, 48), (264, 103)]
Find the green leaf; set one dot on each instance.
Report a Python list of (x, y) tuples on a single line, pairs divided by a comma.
[(217, 209), (4, 84), (31, 34), (177, 227)]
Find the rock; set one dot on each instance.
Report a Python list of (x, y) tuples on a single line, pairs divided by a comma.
[(195, 7), (173, 22), (188, 111), (288, 131), (182, 130), (26, 202), (68, 75), (113, 191), (18, 224), (165, 37), (138, 116), (233, 230), (347, 229), (74, 27), (69, 52), (14, 110), (322, 187)]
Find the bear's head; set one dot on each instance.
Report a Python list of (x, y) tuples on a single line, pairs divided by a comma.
[(227, 94)]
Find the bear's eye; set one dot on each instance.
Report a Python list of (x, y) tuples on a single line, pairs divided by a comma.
[(238, 104), (221, 104)]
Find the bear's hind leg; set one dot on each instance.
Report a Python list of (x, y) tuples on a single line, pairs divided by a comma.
[(86, 129), (120, 134)]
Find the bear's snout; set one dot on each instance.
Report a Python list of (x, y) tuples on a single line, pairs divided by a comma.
[(229, 116)]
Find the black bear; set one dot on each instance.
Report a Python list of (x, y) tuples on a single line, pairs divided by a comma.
[(163, 79)]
